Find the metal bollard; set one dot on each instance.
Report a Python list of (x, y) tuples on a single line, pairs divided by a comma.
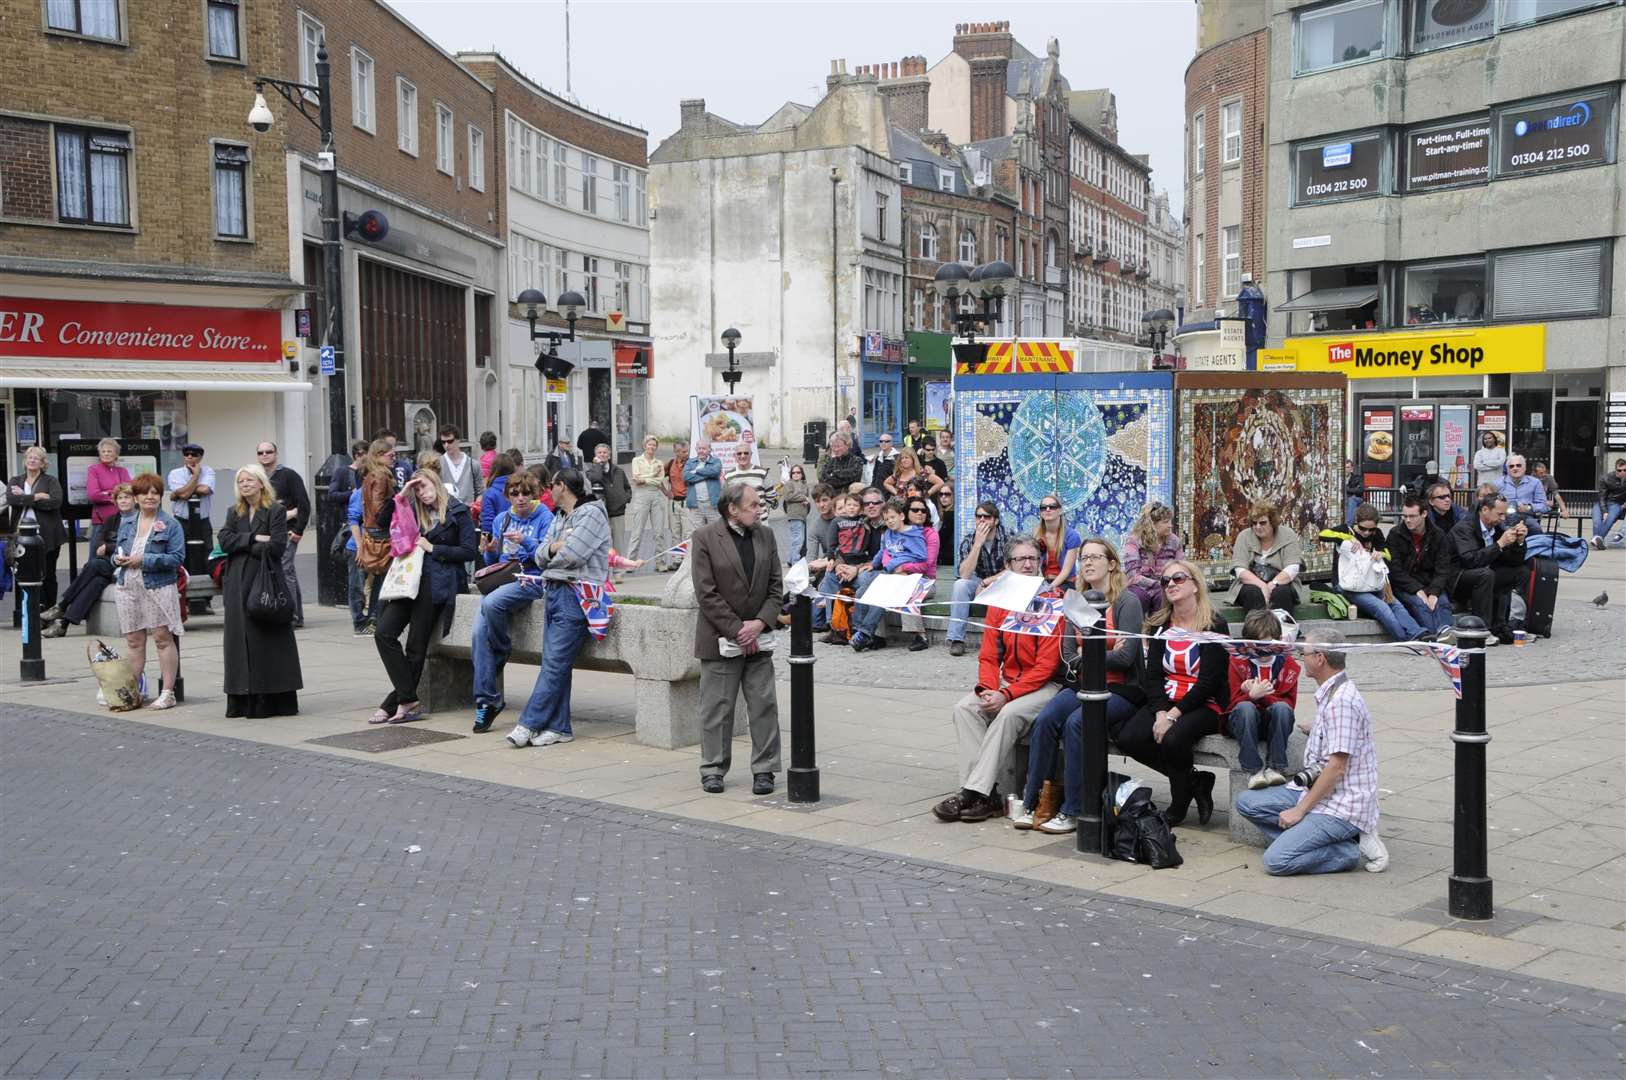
[(199, 542), (30, 580), (1092, 698), (1469, 888), (802, 782)]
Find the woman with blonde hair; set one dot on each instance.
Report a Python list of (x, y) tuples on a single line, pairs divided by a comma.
[(34, 503), (1062, 720), (1150, 545), (1058, 543), (148, 555), (1187, 686), (446, 539), (104, 474), (263, 676), (905, 469)]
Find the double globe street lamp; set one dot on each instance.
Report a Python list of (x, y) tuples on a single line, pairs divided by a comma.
[(548, 360), (985, 287)]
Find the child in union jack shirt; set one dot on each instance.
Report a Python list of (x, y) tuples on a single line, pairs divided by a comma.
[(1264, 692)]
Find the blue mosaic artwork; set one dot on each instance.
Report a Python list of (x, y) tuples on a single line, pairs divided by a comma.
[(1103, 451)]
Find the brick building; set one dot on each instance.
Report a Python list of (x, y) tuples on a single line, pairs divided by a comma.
[(1109, 259)]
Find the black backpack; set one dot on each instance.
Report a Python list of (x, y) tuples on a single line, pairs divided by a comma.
[(1136, 830)]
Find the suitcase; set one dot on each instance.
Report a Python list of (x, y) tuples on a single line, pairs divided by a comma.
[(1541, 597)]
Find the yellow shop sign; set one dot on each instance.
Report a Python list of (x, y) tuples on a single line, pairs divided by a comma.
[(1492, 350)]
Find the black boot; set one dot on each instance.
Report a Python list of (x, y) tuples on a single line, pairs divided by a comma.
[(1180, 791), (1202, 784)]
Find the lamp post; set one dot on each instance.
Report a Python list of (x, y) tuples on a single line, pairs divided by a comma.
[(548, 360), (987, 286), (1157, 323), (731, 341)]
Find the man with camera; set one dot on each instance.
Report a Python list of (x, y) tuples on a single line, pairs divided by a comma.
[(1326, 817), (1487, 557)]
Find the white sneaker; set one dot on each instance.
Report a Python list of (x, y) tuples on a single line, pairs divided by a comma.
[(1258, 780), (1597, 542), (520, 737), (1024, 820), (166, 700), (549, 737), (1273, 778), (1061, 823), (1377, 856)]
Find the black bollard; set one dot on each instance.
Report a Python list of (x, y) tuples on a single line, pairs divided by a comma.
[(1092, 698), (332, 573), (803, 779), (1469, 888), (199, 542), (30, 583)]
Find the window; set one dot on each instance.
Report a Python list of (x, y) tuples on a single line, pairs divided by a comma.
[(1565, 132), (92, 176), (362, 112), (1001, 244), (445, 153), (928, 241), (968, 247), (1197, 145), (561, 270), (590, 183), (1438, 23), (529, 263), (590, 283), (1197, 278), (945, 180), (1445, 292), (477, 158), (231, 191), (225, 33), (623, 193), (1352, 168), (623, 287), (917, 310), (310, 43), (906, 173), (406, 116), (880, 215), (1519, 12), (1550, 282), (1231, 132), (1341, 34), (640, 199), (1231, 260), (92, 18), (1445, 155), (561, 172), (1335, 299)]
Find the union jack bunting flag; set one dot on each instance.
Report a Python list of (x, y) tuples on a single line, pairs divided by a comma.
[(1450, 659), (922, 589), (597, 606), (1040, 619)]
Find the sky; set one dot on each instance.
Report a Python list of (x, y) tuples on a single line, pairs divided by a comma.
[(636, 60)]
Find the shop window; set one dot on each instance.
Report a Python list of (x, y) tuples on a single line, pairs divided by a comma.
[(1340, 34), (1436, 24), (231, 191), (1562, 132), (880, 406), (225, 32), (91, 18), (1545, 283), (1348, 168), (1335, 299), (1445, 292), (92, 176), (1523, 12)]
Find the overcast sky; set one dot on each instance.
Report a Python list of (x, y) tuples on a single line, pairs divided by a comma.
[(635, 61)]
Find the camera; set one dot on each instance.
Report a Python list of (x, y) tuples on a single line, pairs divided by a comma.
[(1306, 777)]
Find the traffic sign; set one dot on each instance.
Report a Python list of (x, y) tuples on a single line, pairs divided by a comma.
[(328, 367)]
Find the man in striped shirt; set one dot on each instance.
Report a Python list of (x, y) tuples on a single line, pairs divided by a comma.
[(1330, 824)]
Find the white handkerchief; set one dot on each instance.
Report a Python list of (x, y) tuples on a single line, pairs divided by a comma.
[(1011, 591), (730, 648), (890, 590)]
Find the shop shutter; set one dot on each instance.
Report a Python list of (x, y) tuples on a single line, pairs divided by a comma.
[(1548, 282)]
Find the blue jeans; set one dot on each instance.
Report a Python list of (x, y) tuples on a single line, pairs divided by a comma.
[(795, 539), (960, 606), (491, 641), (1062, 721), (1432, 621), (1244, 726), (1399, 625), (1319, 844), (866, 619), (363, 601), (1602, 524), (564, 632), (1350, 503)]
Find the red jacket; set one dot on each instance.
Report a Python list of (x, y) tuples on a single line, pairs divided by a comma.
[(1028, 661), (1283, 672)]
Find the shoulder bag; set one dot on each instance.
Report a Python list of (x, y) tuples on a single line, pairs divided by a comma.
[(405, 575), (268, 598)]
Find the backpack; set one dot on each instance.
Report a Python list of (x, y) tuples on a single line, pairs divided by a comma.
[(1136, 830)]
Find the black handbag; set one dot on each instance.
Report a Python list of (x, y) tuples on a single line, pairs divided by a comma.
[(269, 600), (488, 579)]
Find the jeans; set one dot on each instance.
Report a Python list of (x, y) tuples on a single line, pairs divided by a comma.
[(363, 593), (1062, 720), (795, 539), (1350, 503), (1319, 844), (564, 632), (491, 641), (1394, 619), (1432, 621), (1244, 726), (866, 619), (1601, 524), (960, 606)]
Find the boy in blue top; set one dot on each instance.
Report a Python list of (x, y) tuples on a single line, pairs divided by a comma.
[(363, 602), (516, 534), (903, 551)]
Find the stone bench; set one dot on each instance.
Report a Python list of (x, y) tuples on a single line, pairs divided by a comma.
[(653, 643), (103, 619)]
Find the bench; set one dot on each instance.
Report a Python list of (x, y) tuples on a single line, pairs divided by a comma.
[(652, 643)]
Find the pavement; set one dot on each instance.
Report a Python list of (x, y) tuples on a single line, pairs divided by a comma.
[(183, 904)]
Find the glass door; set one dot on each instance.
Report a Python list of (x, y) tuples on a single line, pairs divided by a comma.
[(1575, 442)]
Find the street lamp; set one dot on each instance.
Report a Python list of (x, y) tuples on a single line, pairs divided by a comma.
[(731, 341), (986, 286), (548, 361), (1157, 324)]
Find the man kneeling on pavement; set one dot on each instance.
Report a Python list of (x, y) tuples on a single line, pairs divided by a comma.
[(1326, 818), (1016, 677)]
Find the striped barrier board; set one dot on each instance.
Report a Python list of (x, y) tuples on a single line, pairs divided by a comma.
[(1021, 358)]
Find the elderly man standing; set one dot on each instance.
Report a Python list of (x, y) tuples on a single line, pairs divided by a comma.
[(738, 587), (1327, 826), (1526, 495), (1016, 678), (703, 476)]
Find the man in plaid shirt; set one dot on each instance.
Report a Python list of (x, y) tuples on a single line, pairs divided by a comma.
[(1330, 825)]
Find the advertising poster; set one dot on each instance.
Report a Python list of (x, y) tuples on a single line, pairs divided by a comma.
[(939, 405), (725, 422), (1378, 445), (1491, 418), (76, 456), (1455, 448)]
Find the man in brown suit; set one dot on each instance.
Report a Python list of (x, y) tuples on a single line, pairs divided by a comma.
[(737, 583)]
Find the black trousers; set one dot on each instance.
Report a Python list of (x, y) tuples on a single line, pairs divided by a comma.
[(1250, 598), (47, 594), (420, 618), (1173, 757), (1487, 591), (85, 591)]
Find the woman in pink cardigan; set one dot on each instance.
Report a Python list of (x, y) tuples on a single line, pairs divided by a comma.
[(100, 480)]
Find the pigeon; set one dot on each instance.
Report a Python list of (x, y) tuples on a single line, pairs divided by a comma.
[(1600, 600)]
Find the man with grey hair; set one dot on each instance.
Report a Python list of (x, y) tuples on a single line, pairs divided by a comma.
[(1326, 818), (703, 482), (1526, 495), (842, 467)]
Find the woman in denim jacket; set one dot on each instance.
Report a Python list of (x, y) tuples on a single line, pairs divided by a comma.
[(147, 558)]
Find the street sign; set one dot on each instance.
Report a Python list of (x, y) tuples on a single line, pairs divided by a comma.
[(328, 367), (556, 390), (616, 321)]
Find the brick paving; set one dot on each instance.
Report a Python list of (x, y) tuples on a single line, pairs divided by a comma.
[(180, 903)]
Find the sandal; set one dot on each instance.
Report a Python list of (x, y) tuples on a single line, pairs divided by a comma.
[(381, 716), (405, 714)]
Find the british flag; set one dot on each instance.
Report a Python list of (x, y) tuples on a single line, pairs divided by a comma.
[(1040, 619), (597, 606), (923, 589), (1450, 659)]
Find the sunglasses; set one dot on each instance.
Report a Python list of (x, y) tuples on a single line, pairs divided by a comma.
[(1439, 498), (872, 502), (918, 510), (985, 517), (1050, 506), (1175, 579)]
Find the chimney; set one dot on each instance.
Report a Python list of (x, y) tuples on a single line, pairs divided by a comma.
[(905, 92), (988, 97), (692, 112), (837, 76), (973, 40)]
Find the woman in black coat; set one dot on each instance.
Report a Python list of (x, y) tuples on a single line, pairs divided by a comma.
[(262, 659), (34, 499)]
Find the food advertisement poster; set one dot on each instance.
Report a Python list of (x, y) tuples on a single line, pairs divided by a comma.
[(1491, 418), (1378, 445), (725, 422)]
